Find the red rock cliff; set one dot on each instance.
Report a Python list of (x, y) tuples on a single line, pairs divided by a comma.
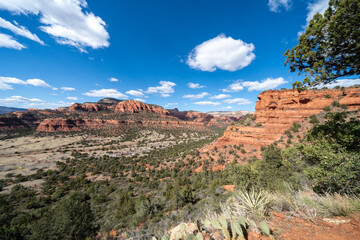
[(90, 107), (136, 106), (277, 110)]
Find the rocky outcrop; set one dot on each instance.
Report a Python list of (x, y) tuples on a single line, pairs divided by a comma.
[(64, 125), (276, 111), (230, 113), (205, 118), (9, 123), (17, 120), (133, 106), (89, 107), (108, 101), (193, 116)]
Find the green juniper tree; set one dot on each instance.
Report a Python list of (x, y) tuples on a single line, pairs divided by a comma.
[(330, 46)]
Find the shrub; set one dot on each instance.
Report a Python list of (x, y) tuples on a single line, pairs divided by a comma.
[(71, 218), (344, 106), (314, 119), (295, 127), (335, 104), (288, 133), (273, 170), (327, 109)]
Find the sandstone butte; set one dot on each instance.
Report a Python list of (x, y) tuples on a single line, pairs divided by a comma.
[(136, 106), (187, 119), (277, 110), (90, 107)]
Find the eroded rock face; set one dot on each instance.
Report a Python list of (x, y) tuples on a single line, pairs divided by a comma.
[(108, 101), (7, 123), (276, 111), (133, 106), (64, 125), (89, 107), (207, 119), (193, 116)]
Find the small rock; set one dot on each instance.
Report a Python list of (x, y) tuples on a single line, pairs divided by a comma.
[(177, 231)]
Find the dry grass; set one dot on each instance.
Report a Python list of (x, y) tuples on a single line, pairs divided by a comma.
[(308, 204), (255, 204)]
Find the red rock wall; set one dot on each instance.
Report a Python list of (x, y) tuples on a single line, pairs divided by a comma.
[(90, 107), (136, 106), (277, 110)]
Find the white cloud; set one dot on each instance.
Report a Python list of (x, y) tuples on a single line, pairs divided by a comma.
[(165, 89), (6, 81), (9, 42), (135, 93), (238, 101), (196, 96), (68, 88), (317, 6), (19, 100), (65, 21), (171, 104), (140, 99), (19, 30), (112, 93), (275, 5), (269, 83), (37, 83), (195, 85), (228, 107), (113, 79), (207, 103), (43, 105), (31, 102), (341, 83), (234, 87), (220, 96), (223, 53), (73, 98)]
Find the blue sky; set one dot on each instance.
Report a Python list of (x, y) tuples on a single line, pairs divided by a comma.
[(204, 55)]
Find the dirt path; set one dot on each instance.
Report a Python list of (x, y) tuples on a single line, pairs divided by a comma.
[(338, 228)]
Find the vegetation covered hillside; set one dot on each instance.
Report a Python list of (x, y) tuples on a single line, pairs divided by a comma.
[(143, 196)]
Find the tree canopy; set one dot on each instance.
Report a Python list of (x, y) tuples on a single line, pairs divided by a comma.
[(330, 46)]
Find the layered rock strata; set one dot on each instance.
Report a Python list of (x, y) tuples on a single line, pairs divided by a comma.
[(277, 110)]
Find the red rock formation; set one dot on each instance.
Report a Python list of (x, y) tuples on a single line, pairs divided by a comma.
[(7, 123), (67, 125), (277, 110), (207, 119), (89, 107), (193, 116), (136, 106)]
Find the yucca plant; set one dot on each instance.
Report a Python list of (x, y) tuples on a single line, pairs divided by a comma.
[(254, 202)]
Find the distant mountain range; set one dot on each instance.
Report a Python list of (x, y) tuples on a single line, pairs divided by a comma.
[(112, 116), (4, 110), (229, 113)]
